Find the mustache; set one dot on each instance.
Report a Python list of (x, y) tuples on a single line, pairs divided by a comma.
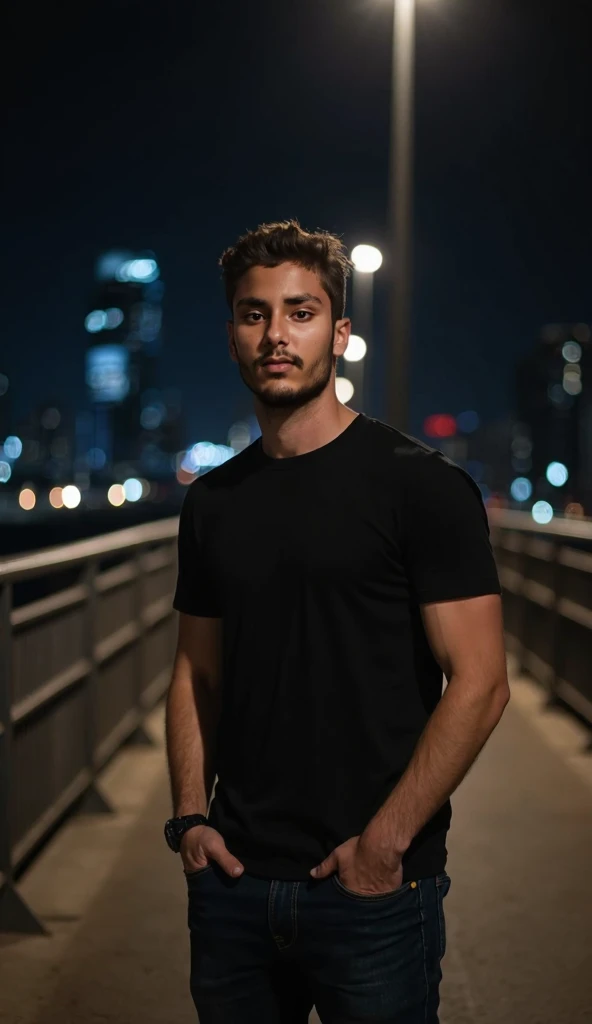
[(284, 356)]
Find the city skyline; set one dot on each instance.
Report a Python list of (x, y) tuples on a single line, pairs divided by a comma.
[(154, 146)]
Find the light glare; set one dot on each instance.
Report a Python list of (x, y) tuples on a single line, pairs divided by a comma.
[(71, 496), (542, 512), (356, 349), (116, 495), (13, 447), (132, 489), (344, 389), (55, 497), (366, 258), (557, 474), (27, 499), (521, 489), (96, 321), (572, 352)]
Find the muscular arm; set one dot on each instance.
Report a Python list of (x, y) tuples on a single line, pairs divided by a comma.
[(192, 713), (466, 638)]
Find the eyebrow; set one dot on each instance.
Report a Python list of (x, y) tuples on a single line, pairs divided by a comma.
[(291, 300)]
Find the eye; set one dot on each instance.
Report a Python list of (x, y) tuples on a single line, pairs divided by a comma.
[(302, 314), (254, 318)]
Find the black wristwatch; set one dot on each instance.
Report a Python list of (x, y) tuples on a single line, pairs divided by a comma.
[(175, 828)]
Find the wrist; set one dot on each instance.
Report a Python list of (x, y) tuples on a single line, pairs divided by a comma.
[(383, 835)]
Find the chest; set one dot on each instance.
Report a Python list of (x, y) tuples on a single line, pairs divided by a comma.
[(323, 533)]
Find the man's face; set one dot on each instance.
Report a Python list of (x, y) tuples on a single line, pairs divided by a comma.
[(283, 337)]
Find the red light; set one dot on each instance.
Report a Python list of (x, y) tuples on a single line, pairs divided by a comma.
[(440, 425)]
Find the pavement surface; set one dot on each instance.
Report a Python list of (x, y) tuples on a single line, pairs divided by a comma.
[(519, 912)]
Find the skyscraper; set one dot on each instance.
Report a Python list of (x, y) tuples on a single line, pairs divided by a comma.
[(124, 325)]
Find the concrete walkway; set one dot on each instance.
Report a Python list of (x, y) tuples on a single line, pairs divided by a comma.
[(519, 912)]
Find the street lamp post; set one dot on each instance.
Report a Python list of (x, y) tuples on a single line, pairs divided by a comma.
[(401, 212)]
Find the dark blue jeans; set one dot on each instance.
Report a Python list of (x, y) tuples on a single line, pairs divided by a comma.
[(265, 952)]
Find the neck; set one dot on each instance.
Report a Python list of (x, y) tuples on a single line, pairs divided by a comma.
[(289, 432)]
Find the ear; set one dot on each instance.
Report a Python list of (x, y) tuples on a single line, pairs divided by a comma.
[(341, 335), (231, 341)]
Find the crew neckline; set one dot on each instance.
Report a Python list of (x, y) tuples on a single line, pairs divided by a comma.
[(316, 454)]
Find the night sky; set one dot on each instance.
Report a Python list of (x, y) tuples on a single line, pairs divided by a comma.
[(175, 126)]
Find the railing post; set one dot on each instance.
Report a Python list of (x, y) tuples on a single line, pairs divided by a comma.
[(556, 638), (15, 915), (139, 736), (93, 801)]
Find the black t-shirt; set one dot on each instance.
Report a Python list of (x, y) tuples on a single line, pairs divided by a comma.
[(318, 565)]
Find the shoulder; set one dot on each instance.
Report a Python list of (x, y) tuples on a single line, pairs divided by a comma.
[(204, 491), (420, 469)]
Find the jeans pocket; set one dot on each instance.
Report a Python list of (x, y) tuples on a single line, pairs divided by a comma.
[(198, 873), (370, 897), (442, 887)]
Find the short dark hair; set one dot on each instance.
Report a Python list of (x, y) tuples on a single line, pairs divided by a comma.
[(286, 242)]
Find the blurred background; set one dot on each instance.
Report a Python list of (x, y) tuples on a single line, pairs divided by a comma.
[(452, 155), (142, 139)]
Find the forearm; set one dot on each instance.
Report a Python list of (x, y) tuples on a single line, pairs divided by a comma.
[(192, 715), (453, 737)]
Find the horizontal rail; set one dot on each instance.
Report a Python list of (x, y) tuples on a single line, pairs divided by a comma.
[(507, 519), (67, 555)]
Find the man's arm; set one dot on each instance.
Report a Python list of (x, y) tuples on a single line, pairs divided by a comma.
[(466, 637), (192, 712), (192, 716), (467, 640)]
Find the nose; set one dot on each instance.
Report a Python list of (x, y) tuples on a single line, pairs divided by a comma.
[(275, 329)]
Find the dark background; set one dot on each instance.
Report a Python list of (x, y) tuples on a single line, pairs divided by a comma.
[(175, 126)]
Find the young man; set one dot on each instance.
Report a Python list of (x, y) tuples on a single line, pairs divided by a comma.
[(328, 576)]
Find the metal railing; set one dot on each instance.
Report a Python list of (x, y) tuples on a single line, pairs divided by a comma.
[(546, 575), (81, 666), (87, 634)]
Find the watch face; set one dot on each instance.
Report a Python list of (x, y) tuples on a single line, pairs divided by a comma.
[(171, 834)]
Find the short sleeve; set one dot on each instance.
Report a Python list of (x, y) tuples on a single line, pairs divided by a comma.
[(195, 593), (446, 545)]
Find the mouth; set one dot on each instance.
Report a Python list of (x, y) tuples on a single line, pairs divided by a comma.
[(277, 365)]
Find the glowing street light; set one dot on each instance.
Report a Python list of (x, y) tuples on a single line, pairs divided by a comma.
[(71, 496), (356, 349), (367, 259), (344, 389)]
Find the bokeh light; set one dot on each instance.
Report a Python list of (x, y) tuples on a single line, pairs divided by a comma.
[(71, 496), (574, 510), (132, 489), (468, 422), (4, 383), (344, 389), (239, 436), (96, 321), (572, 352), (366, 258), (27, 499), (141, 270), (356, 349), (557, 474), (116, 495), (151, 417), (96, 458), (113, 318), (542, 512), (13, 447), (55, 497), (5, 472), (440, 425), (521, 489)]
